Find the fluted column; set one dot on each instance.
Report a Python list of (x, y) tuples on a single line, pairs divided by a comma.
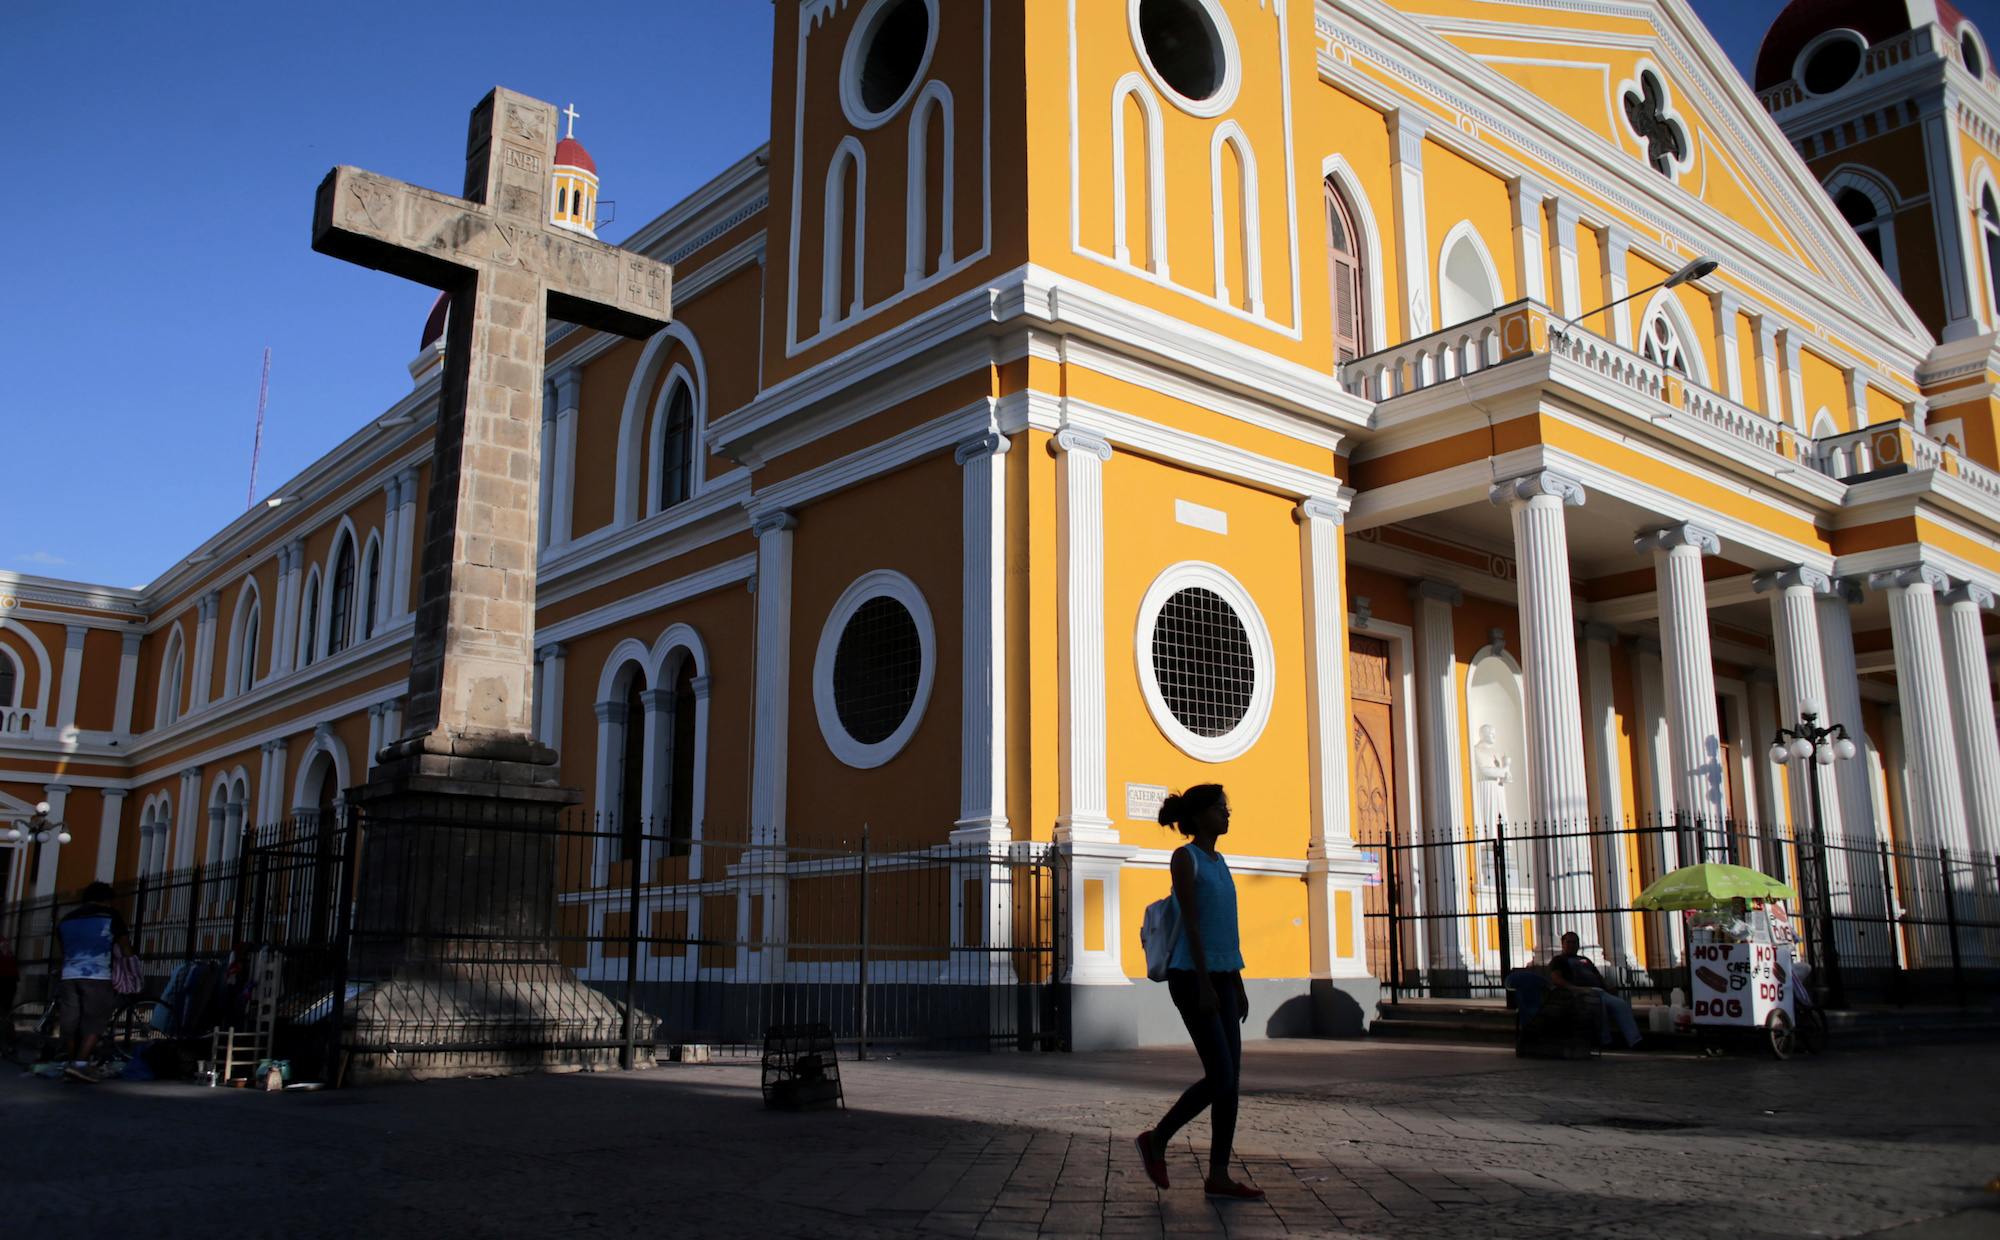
[(1802, 680), (204, 650), (772, 718), (1843, 704), (107, 833), (1694, 737), (1335, 868), (982, 771), (1966, 669), (1936, 803), (1558, 789), (1440, 751)]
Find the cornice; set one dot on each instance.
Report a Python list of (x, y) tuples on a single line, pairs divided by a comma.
[(604, 555)]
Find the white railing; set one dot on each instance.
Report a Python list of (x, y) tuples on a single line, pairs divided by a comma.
[(1884, 55), (1440, 357), (1893, 446), (16, 720)]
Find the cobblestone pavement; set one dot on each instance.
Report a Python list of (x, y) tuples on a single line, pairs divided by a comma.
[(1349, 1139)]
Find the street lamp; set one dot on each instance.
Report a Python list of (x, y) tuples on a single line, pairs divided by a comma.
[(39, 828), (1823, 746), (1705, 265)]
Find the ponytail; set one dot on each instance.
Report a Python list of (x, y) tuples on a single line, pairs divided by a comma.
[(1181, 809)]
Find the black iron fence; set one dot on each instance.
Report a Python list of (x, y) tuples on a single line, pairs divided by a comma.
[(1879, 923)]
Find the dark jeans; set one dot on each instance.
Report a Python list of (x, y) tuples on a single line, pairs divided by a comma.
[(1218, 1039)]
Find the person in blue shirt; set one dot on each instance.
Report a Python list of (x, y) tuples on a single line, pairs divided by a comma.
[(84, 997), (1205, 980)]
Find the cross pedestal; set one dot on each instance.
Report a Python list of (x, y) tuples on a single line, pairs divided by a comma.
[(455, 906)]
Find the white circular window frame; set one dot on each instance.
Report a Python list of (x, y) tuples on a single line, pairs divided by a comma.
[(857, 49), (878, 584), (1238, 740), (1810, 50), (1232, 63)]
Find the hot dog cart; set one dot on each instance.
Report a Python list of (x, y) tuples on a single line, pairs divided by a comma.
[(1739, 950)]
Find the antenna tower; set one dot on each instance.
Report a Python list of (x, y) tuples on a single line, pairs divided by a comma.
[(257, 445)]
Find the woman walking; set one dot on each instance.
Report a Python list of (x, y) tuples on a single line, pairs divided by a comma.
[(1205, 979)]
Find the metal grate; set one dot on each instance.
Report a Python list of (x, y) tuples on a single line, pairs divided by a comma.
[(1202, 660), (876, 669)]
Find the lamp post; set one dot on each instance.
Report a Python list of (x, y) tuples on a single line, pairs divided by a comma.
[(1824, 746), (38, 828), (1695, 270)]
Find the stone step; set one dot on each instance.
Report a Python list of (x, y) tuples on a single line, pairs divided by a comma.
[(1443, 1031)]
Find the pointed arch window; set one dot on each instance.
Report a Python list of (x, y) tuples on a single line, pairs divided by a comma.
[(246, 648), (340, 607), (9, 680), (1661, 343), (680, 793), (371, 589), (677, 447), (1858, 211), (1989, 226), (1350, 288), (309, 632), (632, 769), (175, 671)]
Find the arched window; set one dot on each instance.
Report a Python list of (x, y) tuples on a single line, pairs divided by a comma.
[(173, 671), (1857, 210), (1661, 342), (340, 608), (1350, 288), (841, 265), (371, 589), (9, 680), (680, 793), (632, 769), (677, 447), (1989, 221), (1466, 285), (309, 631), (246, 648)]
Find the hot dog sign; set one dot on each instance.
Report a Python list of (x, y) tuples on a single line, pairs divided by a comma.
[(1739, 983)]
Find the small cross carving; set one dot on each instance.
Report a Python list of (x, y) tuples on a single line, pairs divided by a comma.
[(1646, 110), (507, 269)]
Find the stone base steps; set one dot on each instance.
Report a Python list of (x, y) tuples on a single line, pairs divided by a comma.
[(1486, 1021)]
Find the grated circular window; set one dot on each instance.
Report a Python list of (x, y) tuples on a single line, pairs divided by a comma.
[(885, 58), (1183, 45), (1832, 66), (1203, 662), (876, 670)]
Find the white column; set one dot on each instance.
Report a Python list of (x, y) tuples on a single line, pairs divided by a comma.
[(1967, 671), (982, 779), (770, 731), (57, 795), (1615, 248), (107, 833), (1694, 738), (274, 804), (291, 565), (1843, 705), (1608, 797), (189, 822), (1795, 392), (128, 681), (1083, 823), (1802, 680), (659, 742), (1413, 247), (1525, 194), (204, 650), (550, 704), (1569, 277), (406, 539), (1770, 397), (1952, 222), (72, 677), (385, 589), (1334, 866), (1763, 686), (1558, 793), (1656, 790), (1440, 750), (1727, 307), (562, 474), (1937, 799)]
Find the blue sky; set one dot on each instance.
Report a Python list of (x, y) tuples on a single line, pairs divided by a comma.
[(163, 214)]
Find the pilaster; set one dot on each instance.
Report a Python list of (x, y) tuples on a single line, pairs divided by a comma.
[(1083, 811), (204, 651), (128, 681), (1770, 397), (392, 515), (1616, 249), (1794, 383), (72, 678), (1564, 219), (770, 735), (1525, 195), (1334, 867), (1440, 749), (406, 537), (1413, 265), (107, 833), (982, 782), (549, 702), (57, 795), (1727, 343)]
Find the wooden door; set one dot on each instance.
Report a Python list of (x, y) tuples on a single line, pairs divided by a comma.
[(1374, 783)]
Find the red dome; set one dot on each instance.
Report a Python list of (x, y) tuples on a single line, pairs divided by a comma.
[(434, 324), (1805, 20), (570, 152)]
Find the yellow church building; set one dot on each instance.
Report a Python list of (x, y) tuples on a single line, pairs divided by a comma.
[(1080, 399)]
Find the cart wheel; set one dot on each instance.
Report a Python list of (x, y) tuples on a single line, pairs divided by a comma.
[(1812, 1030), (1783, 1038)]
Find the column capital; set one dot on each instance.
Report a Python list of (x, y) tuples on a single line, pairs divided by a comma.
[(129, 643), (1617, 238), (1686, 534), (1594, 631), (211, 603), (1728, 302), (701, 686), (1076, 439), (59, 786), (1528, 188), (109, 793), (554, 650), (1848, 591), (1541, 482), (1319, 508), (1911, 576), (190, 772), (656, 701), (1443, 591), (1406, 136), (1567, 214), (1970, 592), (1798, 576), (610, 712), (992, 443), (771, 522)]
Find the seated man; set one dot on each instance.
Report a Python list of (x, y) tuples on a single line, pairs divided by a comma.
[(1570, 970)]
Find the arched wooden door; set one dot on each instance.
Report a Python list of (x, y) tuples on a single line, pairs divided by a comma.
[(1374, 784)]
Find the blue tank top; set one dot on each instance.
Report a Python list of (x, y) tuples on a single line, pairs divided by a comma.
[(1215, 899)]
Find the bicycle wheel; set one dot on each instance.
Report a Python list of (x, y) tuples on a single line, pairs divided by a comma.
[(130, 1030), (31, 1029), (1812, 1030)]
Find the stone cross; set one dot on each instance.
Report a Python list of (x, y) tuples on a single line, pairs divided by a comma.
[(507, 269)]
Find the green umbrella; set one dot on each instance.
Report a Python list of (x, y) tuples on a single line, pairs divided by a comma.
[(1710, 885)]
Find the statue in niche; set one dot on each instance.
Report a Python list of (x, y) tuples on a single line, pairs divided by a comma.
[(1492, 770)]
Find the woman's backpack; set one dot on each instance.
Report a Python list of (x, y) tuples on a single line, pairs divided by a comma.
[(1160, 933)]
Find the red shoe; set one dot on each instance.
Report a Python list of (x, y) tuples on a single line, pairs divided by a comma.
[(1233, 1191), (1156, 1168)]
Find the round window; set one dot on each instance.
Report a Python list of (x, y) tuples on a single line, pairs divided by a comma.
[(886, 57), (1189, 50), (1832, 65), (1968, 47), (1204, 661), (873, 673)]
